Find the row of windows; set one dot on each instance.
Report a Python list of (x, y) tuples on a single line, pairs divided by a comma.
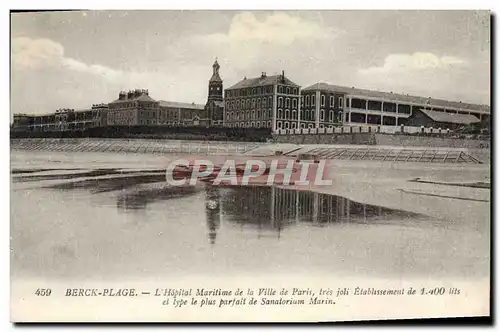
[(261, 90), (169, 115), (249, 103), (307, 115), (293, 125), (252, 124), (287, 102), (376, 119), (310, 100), (288, 90), (249, 91), (375, 105), (253, 115)]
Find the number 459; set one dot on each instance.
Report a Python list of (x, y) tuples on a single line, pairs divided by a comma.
[(43, 292)]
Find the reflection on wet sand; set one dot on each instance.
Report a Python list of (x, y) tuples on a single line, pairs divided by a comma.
[(273, 208), (266, 208), (140, 198)]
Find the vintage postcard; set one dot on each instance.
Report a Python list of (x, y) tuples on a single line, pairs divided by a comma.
[(249, 166)]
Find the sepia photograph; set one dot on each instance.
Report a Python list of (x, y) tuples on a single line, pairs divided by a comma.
[(250, 165)]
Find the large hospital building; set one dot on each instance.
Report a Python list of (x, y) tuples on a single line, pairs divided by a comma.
[(272, 102)]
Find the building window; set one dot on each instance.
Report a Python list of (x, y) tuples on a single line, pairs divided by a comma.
[(280, 113), (270, 100), (307, 100), (313, 100), (294, 91), (330, 118), (404, 109), (253, 114), (287, 114), (280, 102), (322, 115), (294, 114), (294, 103), (264, 102), (237, 104), (287, 102), (278, 124), (332, 101), (258, 102), (287, 91), (258, 124), (374, 105), (323, 100), (340, 102)]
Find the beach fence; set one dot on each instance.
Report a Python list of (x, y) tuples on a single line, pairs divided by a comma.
[(149, 146)]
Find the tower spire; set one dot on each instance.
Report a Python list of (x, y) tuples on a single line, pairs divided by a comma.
[(215, 75)]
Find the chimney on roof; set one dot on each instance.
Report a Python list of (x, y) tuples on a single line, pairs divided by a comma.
[(245, 78), (122, 95), (282, 76), (263, 74)]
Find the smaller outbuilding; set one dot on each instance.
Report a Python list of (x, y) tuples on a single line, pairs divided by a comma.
[(443, 120)]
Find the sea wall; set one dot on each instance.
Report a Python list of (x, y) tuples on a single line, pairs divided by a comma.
[(133, 146), (385, 139)]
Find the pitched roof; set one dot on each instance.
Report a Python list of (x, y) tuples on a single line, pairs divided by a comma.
[(450, 117), (215, 77), (142, 97), (261, 81), (174, 104), (397, 97)]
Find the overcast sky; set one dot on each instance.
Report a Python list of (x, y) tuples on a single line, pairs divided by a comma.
[(75, 59)]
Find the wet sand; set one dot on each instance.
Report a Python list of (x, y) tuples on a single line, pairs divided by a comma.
[(115, 217)]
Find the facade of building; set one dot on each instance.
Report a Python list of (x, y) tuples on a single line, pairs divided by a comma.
[(262, 102), (182, 114), (100, 115), (132, 108), (215, 102), (22, 122), (354, 106), (137, 108)]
